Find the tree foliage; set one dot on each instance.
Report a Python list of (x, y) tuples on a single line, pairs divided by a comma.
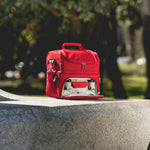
[(29, 11), (24, 19)]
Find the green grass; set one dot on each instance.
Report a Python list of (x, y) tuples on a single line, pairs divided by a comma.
[(133, 69), (133, 78), (107, 84), (35, 88), (134, 85)]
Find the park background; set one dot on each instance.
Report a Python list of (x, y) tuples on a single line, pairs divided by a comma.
[(118, 30)]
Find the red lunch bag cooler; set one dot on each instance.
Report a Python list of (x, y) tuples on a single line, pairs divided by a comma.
[(73, 73)]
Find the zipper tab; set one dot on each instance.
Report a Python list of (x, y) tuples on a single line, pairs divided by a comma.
[(83, 66), (51, 61)]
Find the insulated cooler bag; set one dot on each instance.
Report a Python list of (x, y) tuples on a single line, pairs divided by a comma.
[(73, 73)]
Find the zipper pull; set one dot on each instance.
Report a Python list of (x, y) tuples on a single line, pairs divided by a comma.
[(83, 66)]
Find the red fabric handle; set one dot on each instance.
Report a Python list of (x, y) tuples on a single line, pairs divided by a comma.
[(73, 44), (80, 84)]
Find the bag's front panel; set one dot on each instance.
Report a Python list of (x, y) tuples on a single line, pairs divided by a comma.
[(79, 85)]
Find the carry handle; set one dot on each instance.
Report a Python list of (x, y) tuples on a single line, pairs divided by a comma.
[(73, 44)]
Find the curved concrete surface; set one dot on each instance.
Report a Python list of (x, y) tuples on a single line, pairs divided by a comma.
[(43, 123)]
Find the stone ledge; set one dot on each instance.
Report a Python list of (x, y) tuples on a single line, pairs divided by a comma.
[(43, 123)]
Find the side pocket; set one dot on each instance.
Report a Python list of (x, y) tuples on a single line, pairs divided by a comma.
[(50, 87)]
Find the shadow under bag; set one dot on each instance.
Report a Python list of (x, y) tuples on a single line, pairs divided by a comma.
[(73, 73)]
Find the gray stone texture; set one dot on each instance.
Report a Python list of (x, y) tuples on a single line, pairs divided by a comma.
[(43, 123)]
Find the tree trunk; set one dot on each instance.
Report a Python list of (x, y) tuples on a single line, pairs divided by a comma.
[(146, 40), (110, 55), (133, 49)]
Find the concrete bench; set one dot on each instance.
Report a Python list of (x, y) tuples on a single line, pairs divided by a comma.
[(43, 123)]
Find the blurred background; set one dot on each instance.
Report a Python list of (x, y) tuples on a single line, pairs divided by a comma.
[(118, 30)]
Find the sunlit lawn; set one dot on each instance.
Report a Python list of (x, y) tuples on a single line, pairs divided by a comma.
[(135, 86), (133, 78), (36, 87)]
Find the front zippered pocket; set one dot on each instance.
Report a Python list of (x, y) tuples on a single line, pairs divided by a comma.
[(79, 87)]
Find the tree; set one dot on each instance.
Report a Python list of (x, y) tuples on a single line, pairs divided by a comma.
[(146, 38), (92, 23)]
